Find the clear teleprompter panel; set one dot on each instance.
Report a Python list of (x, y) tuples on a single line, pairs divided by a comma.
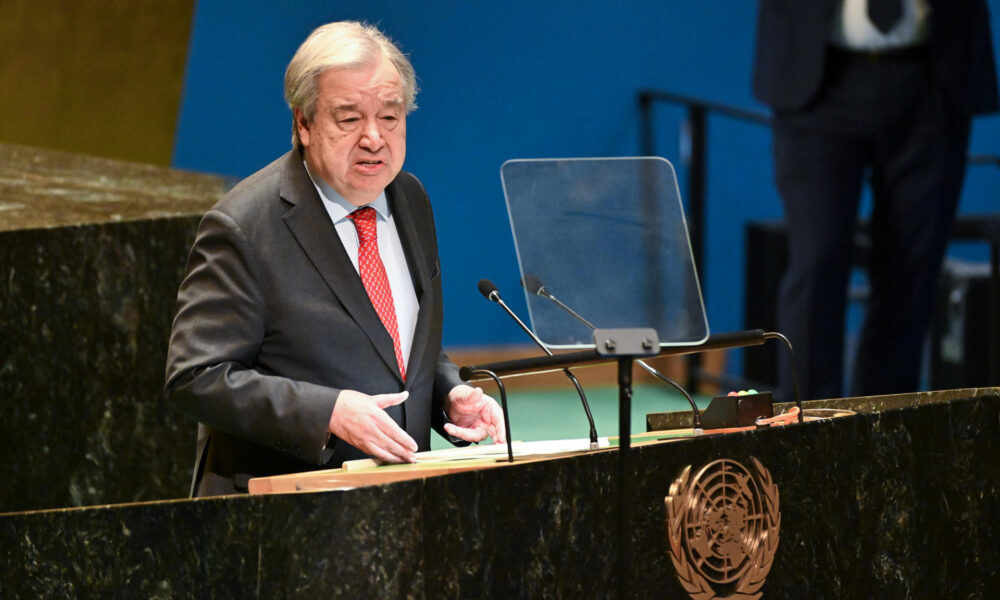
[(602, 242)]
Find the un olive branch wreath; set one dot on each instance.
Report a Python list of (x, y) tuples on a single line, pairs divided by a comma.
[(695, 584)]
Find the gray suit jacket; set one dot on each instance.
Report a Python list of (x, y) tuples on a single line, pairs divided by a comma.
[(273, 322)]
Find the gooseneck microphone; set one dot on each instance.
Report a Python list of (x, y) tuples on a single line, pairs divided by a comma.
[(489, 291), (535, 286)]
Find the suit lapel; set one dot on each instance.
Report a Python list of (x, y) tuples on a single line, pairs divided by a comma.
[(410, 235), (310, 224), (411, 231)]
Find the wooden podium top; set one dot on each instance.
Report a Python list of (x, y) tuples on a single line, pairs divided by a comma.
[(434, 463), (360, 473)]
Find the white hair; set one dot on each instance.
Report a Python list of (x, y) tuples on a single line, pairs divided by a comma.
[(341, 45)]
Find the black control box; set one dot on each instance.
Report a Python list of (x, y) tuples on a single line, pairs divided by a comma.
[(737, 411)]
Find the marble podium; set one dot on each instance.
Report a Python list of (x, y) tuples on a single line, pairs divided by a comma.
[(900, 500), (91, 254)]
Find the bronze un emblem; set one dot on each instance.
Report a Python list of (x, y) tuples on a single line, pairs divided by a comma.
[(722, 526)]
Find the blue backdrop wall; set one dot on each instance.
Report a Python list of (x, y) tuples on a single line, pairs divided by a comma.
[(516, 79)]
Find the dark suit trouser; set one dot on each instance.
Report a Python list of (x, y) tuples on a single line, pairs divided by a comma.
[(882, 121)]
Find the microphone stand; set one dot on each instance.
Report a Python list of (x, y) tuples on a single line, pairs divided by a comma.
[(503, 407), (535, 286), (774, 335), (494, 295), (625, 346), (695, 412)]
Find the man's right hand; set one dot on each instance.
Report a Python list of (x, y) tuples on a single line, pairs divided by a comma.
[(359, 419)]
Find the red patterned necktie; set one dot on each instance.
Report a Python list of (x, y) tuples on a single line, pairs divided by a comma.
[(373, 276)]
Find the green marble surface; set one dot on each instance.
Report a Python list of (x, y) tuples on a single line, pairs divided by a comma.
[(893, 502), (91, 254)]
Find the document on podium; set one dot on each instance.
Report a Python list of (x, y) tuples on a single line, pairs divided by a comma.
[(520, 449), (429, 464)]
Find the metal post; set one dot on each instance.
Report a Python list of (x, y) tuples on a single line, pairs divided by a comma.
[(696, 185), (624, 477), (696, 208), (993, 302), (646, 145)]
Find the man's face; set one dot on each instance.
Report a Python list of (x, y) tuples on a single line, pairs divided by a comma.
[(357, 139)]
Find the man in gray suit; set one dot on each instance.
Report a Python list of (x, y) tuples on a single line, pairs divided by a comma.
[(308, 328)]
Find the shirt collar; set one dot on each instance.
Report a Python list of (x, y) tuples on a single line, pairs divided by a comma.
[(338, 206)]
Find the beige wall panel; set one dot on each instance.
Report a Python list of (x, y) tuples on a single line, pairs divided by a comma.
[(95, 77)]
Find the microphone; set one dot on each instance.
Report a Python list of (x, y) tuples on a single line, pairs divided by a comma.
[(534, 285), (489, 291)]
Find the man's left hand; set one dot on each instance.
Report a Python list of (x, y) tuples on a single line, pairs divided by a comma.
[(474, 415)]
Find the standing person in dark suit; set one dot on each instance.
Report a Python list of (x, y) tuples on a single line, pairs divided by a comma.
[(308, 328), (881, 90)]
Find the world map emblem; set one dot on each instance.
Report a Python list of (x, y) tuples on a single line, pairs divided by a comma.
[(723, 528)]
